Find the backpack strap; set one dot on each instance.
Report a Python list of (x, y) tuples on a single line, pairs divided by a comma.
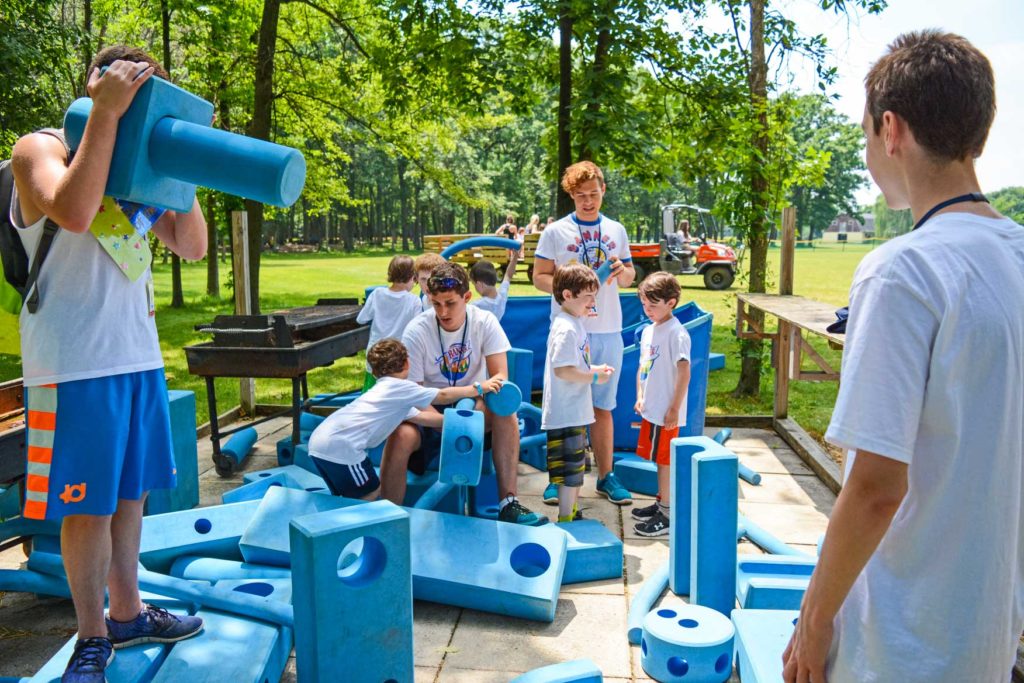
[(50, 230)]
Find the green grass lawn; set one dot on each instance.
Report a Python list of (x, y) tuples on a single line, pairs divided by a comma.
[(300, 279)]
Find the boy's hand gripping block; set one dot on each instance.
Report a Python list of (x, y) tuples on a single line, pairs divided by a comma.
[(165, 147), (505, 401), (462, 447)]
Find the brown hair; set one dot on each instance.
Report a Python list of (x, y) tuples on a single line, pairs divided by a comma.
[(659, 286), (579, 173), (427, 261), (448, 277), (483, 271), (109, 55), (942, 86), (401, 270), (387, 357), (575, 277)]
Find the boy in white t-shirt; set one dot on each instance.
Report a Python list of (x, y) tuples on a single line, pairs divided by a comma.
[(661, 383), (568, 406), (390, 309), (424, 266), (921, 573), (484, 278), (339, 444)]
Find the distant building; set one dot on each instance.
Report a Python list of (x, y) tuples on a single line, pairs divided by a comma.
[(846, 228)]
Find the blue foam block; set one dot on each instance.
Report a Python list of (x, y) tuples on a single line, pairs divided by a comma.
[(520, 370), (302, 459), (230, 648), (772, 581), (255, 490), (131, 665), (604, 271), (20, 526), (687, 643), (358, 558), (487, 565), (417, 485), (185, 495), (194, 568), (716, 361), (462, 447), (649, 593), (761, 638), (279, 589), (212, 531), (265, 539), (593, 552), (235, 602), (30, 581), (505, 401), (713, 518), (286, 451), (309, 421), (433, 496), (576, 671), (333, 401), (477, 242), (533, 450), (637, 475), (300, 478)]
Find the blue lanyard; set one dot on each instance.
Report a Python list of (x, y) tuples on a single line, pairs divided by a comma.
[(462, 348), (583, 242), (969, 197)]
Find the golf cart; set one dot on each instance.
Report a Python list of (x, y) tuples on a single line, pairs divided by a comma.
[(682, 254)]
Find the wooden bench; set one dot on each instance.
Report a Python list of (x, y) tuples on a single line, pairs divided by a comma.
[(496, 255)]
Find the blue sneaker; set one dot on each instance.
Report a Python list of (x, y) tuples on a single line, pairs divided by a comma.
[(89, 661), (516, 513), (153, 625), (551, 494), (611, 488)]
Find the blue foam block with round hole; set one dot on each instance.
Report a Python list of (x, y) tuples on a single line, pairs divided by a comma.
[(211, 531), (272, 590), (505, 401), (713, 519), (462, 447), (688, 644), (761, 638), (478, 242), (255, 490), (576, 671), (533, 450), (352, 590), (487, 565)]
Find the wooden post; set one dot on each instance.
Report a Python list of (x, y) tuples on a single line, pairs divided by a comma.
[(788, 250), (240, 270), (783, 358)]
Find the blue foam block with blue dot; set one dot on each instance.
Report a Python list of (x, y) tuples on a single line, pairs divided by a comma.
[(211, 531), (688, 644)]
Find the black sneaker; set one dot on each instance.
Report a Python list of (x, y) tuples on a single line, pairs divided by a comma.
[(516, 513), (89, 661), (645, 512), (657, 525)]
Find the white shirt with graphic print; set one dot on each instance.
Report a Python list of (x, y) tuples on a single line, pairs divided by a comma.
[(440, 359), (662, 346), (566, 404), (564, 241)]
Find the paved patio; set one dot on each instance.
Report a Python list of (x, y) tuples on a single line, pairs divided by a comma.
[(455, 645)]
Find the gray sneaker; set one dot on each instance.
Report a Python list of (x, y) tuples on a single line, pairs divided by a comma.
[(153, 625), (645, 512), (657, 525)]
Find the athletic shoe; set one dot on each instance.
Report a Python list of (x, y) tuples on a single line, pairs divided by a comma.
[(153, 625), (657, 525), (516, 513), (577, 515), (645, 512), (551, 494), (613, 490), (89, 661)]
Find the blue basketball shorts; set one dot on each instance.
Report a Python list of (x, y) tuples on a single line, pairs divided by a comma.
[(352, 481), (92, 442), (606, 349)]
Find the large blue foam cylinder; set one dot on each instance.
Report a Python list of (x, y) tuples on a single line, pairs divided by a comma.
[(231, 163), (238, 446)]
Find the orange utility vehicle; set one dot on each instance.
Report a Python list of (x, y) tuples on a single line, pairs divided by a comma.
[(699, 255)]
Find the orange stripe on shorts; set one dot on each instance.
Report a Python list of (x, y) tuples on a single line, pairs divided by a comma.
[(35, 509), (37, 483), (41, 420), (41, 455)]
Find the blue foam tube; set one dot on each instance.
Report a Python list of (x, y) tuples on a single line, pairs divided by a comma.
[(20, 526), (505, 401), (238, 446), (766, 541), (434, 495), (723, 435), (466, 404), (28, 581), (308, 421), (483, 241), (748, 475), (644, 600)]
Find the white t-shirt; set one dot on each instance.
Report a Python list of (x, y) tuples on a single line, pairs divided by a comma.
[(566, 404), (933, 376), (389, 312), (439, 358), (571, 241), (662, 346), (92, 321), (497, 304), (425, 303), (348, 432)]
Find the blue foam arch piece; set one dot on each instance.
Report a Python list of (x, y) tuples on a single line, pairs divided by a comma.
[(761, 638), (212, 531), (370, 639), (240, 444), (714, 521), (576, 671), (772, 581), (482, 241), (462, 447), (194, 567), (643, 601), (766, 541), (505, 401), (687, 644)]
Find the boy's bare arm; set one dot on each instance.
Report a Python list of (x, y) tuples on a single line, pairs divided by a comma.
[(511, 267), (184, 233), (543, 274), (678, 394), (427, 418), (570, 373)]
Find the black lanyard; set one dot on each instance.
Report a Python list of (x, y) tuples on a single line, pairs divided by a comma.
[(969, 197), (462, 349), (583, 242)]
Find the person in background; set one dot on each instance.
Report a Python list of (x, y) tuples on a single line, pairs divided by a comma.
[(534, 225), (485, 278), (424, 265), (389, 309), (508, 228)]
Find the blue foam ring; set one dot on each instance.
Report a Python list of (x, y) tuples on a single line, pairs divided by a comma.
[(644, 600), (434, 495), (723, 435), (604, 271), (505, 401), (238, 446), (462, 447), (767, 541), (29, 581), (748, 475), (482, 241), (576, 671)]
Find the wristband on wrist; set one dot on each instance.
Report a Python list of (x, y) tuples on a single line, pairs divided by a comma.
[(479, 388), (594, 380)]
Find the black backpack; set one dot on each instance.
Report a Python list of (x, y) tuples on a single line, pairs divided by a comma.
[(17, 270)]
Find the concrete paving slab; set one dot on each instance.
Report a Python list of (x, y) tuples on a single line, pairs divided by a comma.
[(792, 489), (780, 460), (433, 626), (800, 524)]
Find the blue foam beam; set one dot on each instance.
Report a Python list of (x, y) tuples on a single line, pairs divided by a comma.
[(643, 601), (714, 520)]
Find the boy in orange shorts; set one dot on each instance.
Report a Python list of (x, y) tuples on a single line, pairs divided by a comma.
[(661, 384)]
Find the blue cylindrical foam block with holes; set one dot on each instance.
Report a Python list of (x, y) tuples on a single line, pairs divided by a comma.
[(238, 446), (477, 242), (462, 447), (687, 643), (505, 401)]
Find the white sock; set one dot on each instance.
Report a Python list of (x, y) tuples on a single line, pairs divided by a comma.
[(505, 501)]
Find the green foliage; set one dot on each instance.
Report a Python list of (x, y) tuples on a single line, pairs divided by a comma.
[(1009, 201), (889, 223)]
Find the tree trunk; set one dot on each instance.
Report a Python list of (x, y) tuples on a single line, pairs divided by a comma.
[(749, 383), (593, 109), (177, 298), (565, 23), (212, 268), (403, 201), (259, 128)]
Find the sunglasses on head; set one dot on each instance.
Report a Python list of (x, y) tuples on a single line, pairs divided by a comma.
[(438, 282)]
